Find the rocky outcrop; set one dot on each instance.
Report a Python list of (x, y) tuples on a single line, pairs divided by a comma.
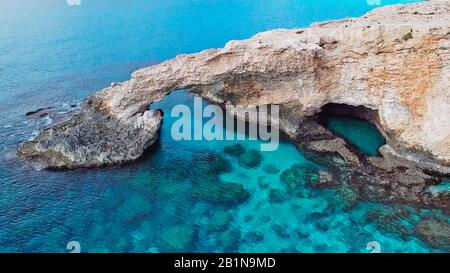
[(381, 178), (395, 60), (434, 232), (92, 139)]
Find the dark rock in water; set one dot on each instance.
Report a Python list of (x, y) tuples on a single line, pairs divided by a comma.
[(219, 220), (298, 175), (348, 196), (263, 185), (435, 233), (276, 196), (271, 169), (322, 226), (255, 237), (92, 139), (39, 111), (220, 165), (311, 130), (230, 240), (265, 219), (325, 180), (248, 218), (335, 146), (234, 150), (321, 248), (302, 235), (55, 115), (135, 208), (226, 194), (180, 238), (302, 194), (389, 220), (250, 159), (386, 177), (280, 230), (442, 200), (210, 165), (315, 216)]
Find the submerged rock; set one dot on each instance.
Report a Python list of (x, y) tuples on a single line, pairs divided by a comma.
[(254, 237), (389, 220), (135, 208), (250, 159), (280, 230), (348, 196), (234, 150), (219, 220), (261, 183), (180, 238), (298, 175), (271, 169), (230, 240), (276, 196), (210, 165), (218, 192), (435, 233), (384, 178)]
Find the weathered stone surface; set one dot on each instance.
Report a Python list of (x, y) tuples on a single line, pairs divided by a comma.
[(395, 59), (380, 179), (92, 139), (325, 180)]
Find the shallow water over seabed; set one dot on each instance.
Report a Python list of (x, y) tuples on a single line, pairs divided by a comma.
[(168, 200), (361, 133)]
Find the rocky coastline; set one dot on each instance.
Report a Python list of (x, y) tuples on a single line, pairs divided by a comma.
[(393, 64)]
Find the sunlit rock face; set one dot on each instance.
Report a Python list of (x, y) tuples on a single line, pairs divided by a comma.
[(395, 60)]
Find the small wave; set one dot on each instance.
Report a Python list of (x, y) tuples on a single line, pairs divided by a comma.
[(34, 134), (47, 120)]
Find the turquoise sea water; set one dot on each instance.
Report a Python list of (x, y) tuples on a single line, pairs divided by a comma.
[(444, 186), (52, 54), (362, 134)]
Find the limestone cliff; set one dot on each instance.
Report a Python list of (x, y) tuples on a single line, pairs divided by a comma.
[(395, 59)]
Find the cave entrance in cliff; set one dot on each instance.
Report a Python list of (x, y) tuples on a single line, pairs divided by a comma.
[(357, 124)]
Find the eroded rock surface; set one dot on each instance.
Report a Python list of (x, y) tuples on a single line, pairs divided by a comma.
[(92, 139), (395, 60)]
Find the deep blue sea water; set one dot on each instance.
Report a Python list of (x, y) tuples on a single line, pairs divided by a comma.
[(52, 54)]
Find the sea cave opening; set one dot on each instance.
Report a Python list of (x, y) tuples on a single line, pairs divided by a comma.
[(357, 124)]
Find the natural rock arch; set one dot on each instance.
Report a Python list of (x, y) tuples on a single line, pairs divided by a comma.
[(362, 62)]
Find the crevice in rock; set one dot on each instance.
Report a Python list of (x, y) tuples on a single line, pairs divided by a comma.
[(334, 110)]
